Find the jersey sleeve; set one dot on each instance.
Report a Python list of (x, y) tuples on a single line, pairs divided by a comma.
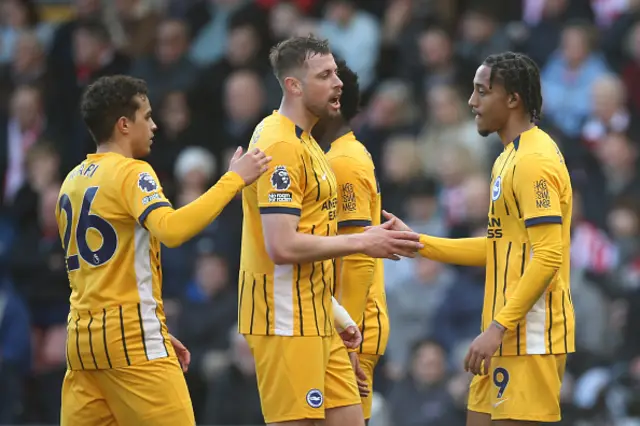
[(355, 191), (281, 188), (537, 188), (141, 191)]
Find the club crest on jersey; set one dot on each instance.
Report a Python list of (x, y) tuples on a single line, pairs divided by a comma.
[(315, 398), (280, 179), (146, 182), (496, 189)]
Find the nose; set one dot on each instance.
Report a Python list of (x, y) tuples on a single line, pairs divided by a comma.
[(338, 83), (154, 127), (472, 101)]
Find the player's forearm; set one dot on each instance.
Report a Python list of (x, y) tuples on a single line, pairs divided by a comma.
[(174, 227), (458, 251), (546, 242), (303, 248)]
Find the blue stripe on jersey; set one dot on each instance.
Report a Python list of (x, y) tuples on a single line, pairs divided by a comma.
[(280, 210), (151, 208), (542, 219), (354, 222)]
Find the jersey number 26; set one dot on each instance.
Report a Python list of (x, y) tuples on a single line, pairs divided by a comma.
[(85, 221)]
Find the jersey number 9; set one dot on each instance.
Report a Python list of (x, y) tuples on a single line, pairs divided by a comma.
[(86, 221)]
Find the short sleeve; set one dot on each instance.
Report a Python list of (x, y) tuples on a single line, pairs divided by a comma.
[(354, 193), (537, 189), (281, 188), (142, 192)]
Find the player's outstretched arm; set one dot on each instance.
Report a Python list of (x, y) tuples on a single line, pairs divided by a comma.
[(280, 193), (457, 251), (286, 245), (174, 227)]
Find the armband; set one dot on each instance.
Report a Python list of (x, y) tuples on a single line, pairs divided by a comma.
[(341, 316)]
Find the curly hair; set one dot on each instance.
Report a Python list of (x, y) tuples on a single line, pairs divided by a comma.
[(292, 52), (350, 99), (518, 74), (108, 99)]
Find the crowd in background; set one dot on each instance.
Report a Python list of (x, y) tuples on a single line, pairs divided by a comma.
[(206, 64)]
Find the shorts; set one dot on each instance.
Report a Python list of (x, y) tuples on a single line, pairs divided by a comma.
[(300, 377), (524, 388), (152, 394), (368, 364)]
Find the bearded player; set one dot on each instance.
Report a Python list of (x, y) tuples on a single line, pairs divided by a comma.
[(123, 366), (289, 240), (360, 278), (528, 325)]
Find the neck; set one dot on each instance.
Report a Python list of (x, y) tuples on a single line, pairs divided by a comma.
[(300, 116), (113, 146), (333, 133), (514, 128)]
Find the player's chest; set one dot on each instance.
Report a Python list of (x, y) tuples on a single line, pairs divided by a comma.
[(320, 187), (504, 210)]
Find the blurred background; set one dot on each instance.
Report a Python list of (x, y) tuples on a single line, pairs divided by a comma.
[(206, 65)]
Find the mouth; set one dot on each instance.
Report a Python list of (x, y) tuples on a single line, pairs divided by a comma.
[(335, 102)]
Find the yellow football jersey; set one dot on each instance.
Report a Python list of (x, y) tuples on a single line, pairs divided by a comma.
[(116, 317), (287, 300), (360, 284), (530, 185)]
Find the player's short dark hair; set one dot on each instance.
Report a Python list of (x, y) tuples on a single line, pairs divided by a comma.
[(292, 52), (108, 99), (518, 74), (350, 99)]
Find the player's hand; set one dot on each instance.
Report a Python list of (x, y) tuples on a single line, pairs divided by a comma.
[(351, 337), (482, 349), (361, 378), (184, 356), (249, 166), (393, 223), (382, 243)]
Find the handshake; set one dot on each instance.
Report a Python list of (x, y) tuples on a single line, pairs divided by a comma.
[(391, 240)]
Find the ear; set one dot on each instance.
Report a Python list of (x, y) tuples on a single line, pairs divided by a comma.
[(293, 85), (123, 125), (514, 100)]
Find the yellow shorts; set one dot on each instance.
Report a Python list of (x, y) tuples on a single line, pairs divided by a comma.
[(300, 377), (154, 393), (525, 388), (340, 384), (368, 364)]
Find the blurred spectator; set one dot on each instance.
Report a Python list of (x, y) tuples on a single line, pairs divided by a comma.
[(168, 68), (208, 311), (15, 353), (18, 16), (568, 77), (422, 397), (138, 20), (354, 35), (18, 133), (449, 124), (413, 304), (233, 398)]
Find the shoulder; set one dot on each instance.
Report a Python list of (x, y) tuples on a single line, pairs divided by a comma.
[(273, 133)]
